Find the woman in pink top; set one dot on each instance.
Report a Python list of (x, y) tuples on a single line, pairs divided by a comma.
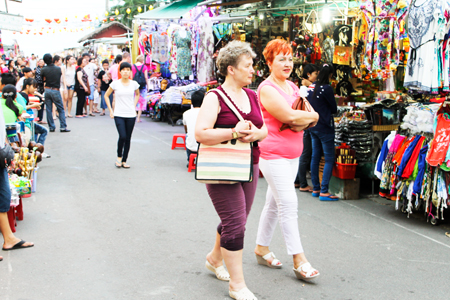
[(279, 161)]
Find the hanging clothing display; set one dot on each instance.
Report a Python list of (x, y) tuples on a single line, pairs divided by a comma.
[(426, 30), (182, 40), (440, 144), (160, 47), (205, 62), (382, 43)]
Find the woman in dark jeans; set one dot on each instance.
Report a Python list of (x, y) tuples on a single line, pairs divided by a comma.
[(126, 93), (309, 75), (81, 86), (321, 97)]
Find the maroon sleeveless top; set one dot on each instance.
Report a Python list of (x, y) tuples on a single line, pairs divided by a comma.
[(227, 119)]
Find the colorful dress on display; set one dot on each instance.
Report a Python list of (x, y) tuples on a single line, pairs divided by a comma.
[(425, 31), (205, 62), (182, 41), (161, 47), (382, 42)]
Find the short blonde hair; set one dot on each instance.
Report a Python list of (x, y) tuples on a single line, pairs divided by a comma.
[(230, 55), (140, 58)]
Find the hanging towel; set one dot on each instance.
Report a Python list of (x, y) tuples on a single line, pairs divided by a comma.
[(410, 164), (422, 169)]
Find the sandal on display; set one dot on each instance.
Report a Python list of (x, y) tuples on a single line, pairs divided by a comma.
[(308, 270), (19, 245), (220, 272), (243, 294), (329, 198), (263, 260)]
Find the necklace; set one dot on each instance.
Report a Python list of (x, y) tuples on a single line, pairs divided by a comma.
[(285, 89)]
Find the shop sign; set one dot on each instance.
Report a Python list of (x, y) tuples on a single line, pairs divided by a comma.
[(11, 22)]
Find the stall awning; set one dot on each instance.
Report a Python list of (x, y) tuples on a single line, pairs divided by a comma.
[(172, 11)]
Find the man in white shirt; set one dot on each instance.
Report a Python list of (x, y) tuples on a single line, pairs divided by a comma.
[(28, 73), (33, 62), (90, 69), (189, 121)]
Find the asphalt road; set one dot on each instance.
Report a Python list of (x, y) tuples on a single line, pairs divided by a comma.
[(143, 233)]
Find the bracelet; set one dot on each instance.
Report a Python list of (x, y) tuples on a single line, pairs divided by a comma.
[(234, 133)]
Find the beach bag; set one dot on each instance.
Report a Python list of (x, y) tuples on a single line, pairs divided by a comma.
[(228, 162)]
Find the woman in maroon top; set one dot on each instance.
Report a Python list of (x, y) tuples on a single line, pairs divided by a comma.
[(216, 123)]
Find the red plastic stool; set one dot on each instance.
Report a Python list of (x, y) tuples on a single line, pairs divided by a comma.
[(175, 143), (192, 162), (12, 218), (19, 210)]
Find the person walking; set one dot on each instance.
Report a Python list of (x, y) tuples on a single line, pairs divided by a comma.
[(280, 153), (12, 69), (51, 76), (140, 75), (81, 86), (40, 89), (310, 72), (217, 123), (124, 112), (90, 69), (321, 97), (103, 84), (113, 72), (33, 62), (58, 61), (70, 83)]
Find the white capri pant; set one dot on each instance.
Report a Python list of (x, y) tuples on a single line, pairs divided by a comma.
[(281, 203)]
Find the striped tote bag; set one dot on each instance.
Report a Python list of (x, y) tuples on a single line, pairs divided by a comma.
[(225, 163)]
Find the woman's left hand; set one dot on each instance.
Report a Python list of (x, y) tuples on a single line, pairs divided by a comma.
[(252, 134)]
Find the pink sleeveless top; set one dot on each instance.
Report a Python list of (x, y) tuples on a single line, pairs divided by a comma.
[(280, 144)]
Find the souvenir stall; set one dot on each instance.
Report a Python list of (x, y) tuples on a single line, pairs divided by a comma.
[(414, 163), (22, 172)]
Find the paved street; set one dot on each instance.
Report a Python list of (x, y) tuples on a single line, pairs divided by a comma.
[(143, 233)]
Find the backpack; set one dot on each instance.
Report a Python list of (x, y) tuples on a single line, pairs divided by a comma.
[(139, 77)]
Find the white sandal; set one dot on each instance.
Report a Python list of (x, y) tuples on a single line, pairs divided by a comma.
[(243, 294), (308, 270), (263, 260), (220, 272)]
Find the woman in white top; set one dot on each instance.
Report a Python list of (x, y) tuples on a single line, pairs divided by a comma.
[(126, 93), (70, 83), (57, 60)]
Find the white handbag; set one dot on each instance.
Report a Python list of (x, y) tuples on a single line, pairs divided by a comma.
[(315, 26)]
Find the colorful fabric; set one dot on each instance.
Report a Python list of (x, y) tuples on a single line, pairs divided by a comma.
[(440, 143), (382, 44), (205, 62), (183, 52)]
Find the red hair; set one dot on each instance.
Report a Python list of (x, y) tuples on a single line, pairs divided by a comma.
[(275, 47)]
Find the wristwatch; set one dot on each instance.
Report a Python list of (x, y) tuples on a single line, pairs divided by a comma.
[(234, 133)]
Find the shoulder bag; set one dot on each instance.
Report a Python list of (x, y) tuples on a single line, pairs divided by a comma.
[(6, 156), (228, 162)]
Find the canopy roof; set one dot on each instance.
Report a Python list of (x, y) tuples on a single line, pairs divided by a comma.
[(175, 10), (94, 34)]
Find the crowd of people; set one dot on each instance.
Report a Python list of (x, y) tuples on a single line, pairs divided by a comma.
[(283, 156)]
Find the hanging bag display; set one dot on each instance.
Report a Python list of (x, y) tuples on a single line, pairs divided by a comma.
[(315, 26), (228, 162)]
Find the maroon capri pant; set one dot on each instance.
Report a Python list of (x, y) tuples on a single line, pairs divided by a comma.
[(233, 203)]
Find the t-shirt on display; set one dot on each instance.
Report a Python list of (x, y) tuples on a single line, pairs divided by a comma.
[(124, 98)]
